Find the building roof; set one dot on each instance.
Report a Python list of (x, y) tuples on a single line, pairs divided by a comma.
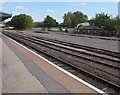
[(4, 16), (89, 27), (84, 24)]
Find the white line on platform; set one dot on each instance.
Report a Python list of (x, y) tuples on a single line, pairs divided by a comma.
[(68, 73)]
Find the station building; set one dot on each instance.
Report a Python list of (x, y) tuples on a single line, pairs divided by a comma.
[(4, 16)]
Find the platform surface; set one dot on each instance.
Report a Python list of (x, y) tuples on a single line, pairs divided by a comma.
[(15, 76), (25, 72)]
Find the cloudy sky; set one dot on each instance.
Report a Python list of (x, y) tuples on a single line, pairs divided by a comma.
[(39, 10)]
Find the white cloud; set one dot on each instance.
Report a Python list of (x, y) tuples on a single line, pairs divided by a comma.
[(50, 11), (83, 3), (21, 8), (14, 13), (2, 2), (102, 8)]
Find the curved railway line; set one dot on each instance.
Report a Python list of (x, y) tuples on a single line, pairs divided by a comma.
[(35, 42)]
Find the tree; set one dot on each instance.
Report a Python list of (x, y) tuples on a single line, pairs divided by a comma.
[(68, 19), (110, 24), (117, 27), (39, 24), (79, 17), (100, 20), (8, 24), (50, 22), (22, 21), (104, 21), (72, 19)]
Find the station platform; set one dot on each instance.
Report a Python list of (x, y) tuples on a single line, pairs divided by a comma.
[(23, 71)]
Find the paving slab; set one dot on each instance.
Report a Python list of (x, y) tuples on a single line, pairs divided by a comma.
[(15, 76), (14, 73)]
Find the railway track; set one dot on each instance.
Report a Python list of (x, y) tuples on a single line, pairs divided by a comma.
[(26, 40), (94, 37), (83, 49), (33, 39), (78, 50), (76, 55), (87, 48), (112, 66)]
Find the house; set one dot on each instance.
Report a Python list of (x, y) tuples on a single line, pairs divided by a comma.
[(92, 30), (83, 24)]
